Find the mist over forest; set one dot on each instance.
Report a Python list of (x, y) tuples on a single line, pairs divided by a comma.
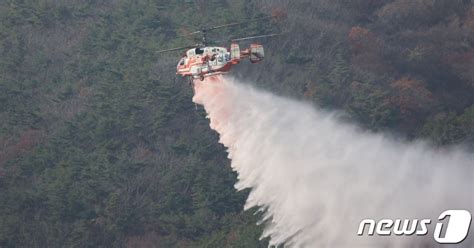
[(101, 145)]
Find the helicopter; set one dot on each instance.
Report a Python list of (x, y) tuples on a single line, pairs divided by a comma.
[(202, 60)]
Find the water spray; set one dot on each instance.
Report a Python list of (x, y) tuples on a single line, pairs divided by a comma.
[(317, 178)]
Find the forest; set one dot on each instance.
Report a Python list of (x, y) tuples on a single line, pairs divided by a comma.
[(101, 145)]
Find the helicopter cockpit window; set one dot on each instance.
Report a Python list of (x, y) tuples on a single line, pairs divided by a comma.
[(199, 50)]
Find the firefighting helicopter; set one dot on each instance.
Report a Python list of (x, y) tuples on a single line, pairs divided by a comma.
[(201, 60)]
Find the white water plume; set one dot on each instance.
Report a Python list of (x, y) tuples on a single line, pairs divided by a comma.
[(318, 177)]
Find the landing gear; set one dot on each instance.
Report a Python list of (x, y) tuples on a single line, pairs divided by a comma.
[(201, 77)]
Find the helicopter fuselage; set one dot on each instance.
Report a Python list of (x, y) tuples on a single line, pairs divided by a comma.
[(200, 62)]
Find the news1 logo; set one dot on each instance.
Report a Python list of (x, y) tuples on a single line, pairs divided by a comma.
[(455, 231)]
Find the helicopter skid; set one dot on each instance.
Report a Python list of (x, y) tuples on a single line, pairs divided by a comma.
[(202, 76)]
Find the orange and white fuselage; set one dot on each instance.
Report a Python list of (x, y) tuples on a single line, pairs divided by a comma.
[(201, 62)]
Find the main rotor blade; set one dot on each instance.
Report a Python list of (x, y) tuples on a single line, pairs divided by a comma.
[(238, 23), (203, 30), (255, 37), (174, 49)]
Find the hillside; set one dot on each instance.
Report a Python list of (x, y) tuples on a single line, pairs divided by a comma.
[(101, 145)]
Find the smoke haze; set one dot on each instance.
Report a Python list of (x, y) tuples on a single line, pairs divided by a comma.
[(317, 177)]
